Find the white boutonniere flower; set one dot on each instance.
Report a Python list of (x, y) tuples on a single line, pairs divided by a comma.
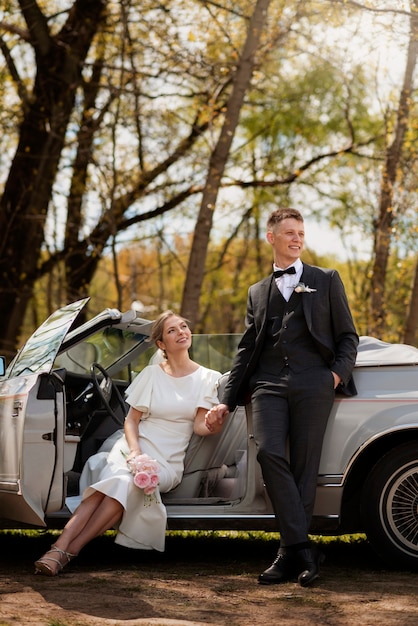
[(302, 288)]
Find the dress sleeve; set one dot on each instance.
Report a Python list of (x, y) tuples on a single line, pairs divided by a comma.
[(139, 392), (208, 396)]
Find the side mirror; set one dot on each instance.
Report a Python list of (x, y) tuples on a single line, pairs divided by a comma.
[(2, 365)]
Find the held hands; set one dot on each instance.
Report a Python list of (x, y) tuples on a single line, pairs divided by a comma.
[(215, 417)]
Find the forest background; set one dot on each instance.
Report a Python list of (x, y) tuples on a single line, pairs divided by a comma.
[(145, 142)]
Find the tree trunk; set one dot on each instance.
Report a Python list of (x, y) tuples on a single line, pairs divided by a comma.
[(79, 266), (24, 204), (219, 157), (386, 218)]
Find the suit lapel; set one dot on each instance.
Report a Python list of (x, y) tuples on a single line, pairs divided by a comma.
[(308, 278), (264, 295)]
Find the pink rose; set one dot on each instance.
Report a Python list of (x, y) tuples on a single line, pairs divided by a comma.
[(155, 479), (142, 480), (153, 467)]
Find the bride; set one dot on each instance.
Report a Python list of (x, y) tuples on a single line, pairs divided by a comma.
[(168, 402)]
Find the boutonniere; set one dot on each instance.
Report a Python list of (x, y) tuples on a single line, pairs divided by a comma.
[(302, 288)]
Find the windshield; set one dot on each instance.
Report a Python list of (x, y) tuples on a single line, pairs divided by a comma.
[(38, 353), (125, 353), (213, 351), (106, 347)]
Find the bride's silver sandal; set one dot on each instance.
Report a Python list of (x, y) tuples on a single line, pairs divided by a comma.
[(42, 567)]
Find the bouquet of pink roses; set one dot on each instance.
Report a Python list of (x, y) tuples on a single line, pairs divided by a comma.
[(145, 472)]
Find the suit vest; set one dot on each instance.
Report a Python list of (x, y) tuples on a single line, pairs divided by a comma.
[(288, 342)]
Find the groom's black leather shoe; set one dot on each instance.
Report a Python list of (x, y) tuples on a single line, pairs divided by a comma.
[(283, 569), (310, 560)]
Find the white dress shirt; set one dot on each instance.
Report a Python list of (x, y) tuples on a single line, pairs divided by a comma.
[(288, 282)]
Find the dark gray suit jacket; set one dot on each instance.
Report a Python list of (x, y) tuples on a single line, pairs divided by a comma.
[(329, 321)]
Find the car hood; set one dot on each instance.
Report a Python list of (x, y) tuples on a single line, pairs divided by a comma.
[(39, 352)]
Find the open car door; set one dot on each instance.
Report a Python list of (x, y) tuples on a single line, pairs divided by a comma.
[(32, 418)]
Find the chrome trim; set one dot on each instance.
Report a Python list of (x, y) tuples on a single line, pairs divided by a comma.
[(236, 516), (10, 487), (329, 480)]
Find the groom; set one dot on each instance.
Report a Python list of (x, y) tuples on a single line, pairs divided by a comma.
[(299, 346)]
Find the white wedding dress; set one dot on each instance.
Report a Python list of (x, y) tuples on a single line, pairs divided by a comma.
[(169, 406)]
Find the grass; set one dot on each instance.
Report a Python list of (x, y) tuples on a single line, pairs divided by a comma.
[(203, 537), (242, 548)]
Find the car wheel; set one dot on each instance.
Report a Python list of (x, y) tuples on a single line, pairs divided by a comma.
[(390, 506)]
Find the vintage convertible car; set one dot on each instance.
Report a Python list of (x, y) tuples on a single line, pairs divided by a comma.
[(61, 397)]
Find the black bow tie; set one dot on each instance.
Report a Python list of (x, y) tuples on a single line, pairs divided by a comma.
[(278, 273)]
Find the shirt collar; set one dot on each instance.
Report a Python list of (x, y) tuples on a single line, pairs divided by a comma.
[(297, 265)]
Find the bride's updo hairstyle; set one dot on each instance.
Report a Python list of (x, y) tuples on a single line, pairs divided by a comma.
[(158, 327)]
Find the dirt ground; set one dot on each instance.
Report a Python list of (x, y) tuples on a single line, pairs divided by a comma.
[(199, 580)]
